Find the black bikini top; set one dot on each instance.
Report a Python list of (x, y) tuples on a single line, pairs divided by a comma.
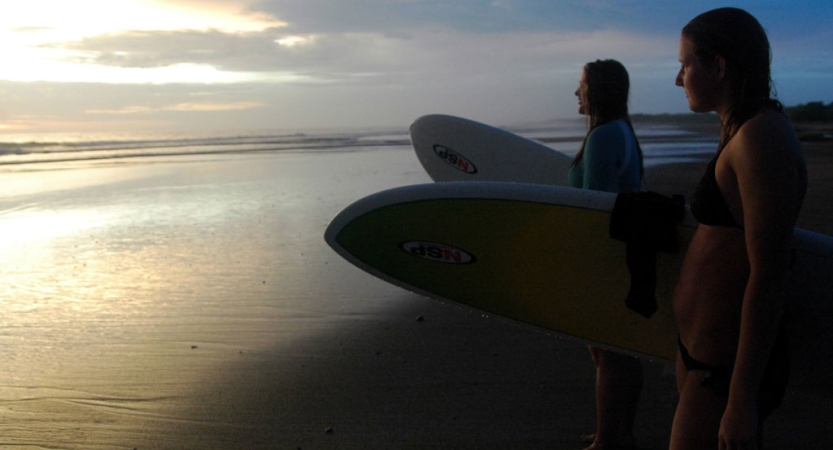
[(708, 205)]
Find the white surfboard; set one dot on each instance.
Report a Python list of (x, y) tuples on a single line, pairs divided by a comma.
[(456, 149), (542, 255)]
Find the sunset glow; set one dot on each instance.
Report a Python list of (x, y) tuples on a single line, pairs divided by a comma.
[(130, 65), (35, 38)]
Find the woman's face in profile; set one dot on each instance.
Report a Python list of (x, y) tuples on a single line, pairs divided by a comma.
[(581, 93), (699, 82)]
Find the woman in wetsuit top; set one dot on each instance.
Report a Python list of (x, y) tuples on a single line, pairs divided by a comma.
[(731, 366), (610, 160)]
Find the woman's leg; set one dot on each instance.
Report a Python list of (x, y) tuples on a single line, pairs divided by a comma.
[(699, 411), (618, 386)]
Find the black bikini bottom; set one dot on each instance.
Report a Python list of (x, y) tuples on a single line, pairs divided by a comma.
[(773, 385)]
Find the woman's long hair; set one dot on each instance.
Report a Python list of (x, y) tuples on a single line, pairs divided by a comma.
[(608, 87), (736, 36)]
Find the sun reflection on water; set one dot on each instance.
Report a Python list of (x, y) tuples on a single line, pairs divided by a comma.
[(124, 303)]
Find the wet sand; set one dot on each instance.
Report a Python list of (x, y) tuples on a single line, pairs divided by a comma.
[(196, 306)]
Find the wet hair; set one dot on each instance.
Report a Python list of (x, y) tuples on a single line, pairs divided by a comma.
[(608, 87), (739, 39)]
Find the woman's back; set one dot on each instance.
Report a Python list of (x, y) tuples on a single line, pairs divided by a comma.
[(610, 161)]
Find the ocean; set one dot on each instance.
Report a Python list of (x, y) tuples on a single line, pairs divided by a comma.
[(660, 143)]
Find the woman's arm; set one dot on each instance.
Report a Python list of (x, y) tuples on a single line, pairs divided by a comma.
[(602, 151), (765, 159)]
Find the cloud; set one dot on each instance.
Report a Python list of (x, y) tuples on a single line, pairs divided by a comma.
[(180, 107), (364, 41), (499, 16), (396, 16), (357, 57), (254, 51), (296, 63), (33, 29), (53, 107)]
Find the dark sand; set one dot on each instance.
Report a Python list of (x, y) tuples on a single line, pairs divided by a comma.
[(277, 343)]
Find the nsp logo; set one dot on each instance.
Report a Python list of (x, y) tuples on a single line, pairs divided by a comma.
[(437, 252), (455, 159)]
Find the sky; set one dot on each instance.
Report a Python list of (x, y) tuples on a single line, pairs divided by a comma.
[(191, 65)]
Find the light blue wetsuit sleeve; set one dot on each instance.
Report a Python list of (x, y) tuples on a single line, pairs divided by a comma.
[(610, 161), (604, 149)]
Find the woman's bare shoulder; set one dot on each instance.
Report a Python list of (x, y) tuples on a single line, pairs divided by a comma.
[(769, 135), (769, 128)]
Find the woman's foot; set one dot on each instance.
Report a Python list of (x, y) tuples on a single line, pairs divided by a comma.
[(590, 440), (595, 446)]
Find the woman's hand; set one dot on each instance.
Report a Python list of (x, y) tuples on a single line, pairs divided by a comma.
[(739, 428)]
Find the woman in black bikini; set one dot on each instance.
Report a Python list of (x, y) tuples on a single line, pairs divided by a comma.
[(731, 368)]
